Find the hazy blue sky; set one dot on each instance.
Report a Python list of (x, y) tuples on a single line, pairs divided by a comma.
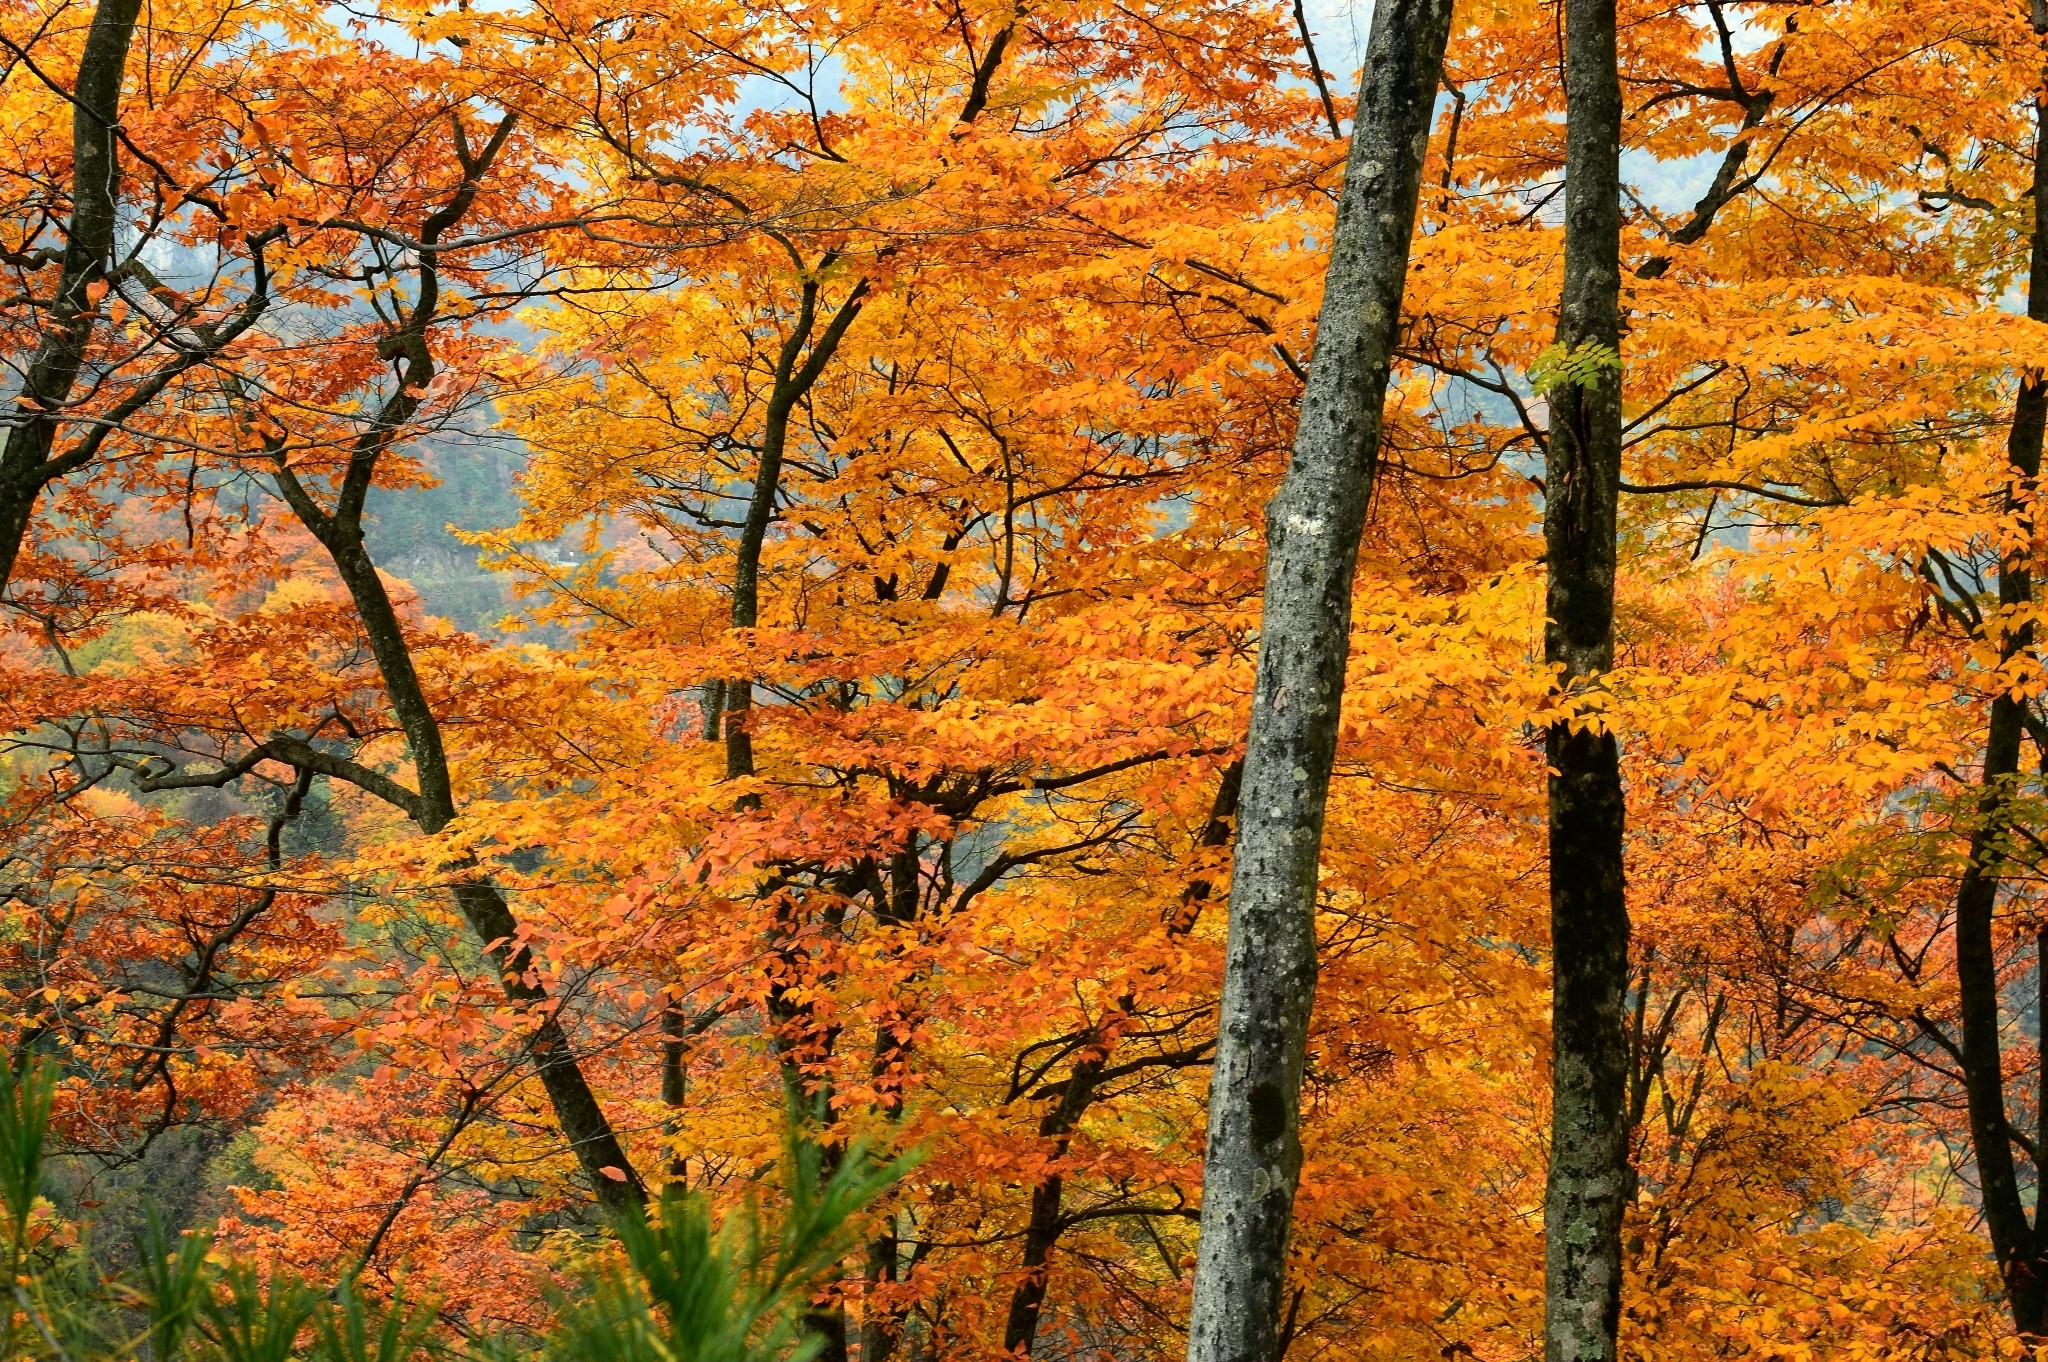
[(1340, 28)]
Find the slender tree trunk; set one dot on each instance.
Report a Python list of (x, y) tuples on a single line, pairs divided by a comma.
[(806, 1102), (792, 380), (340, 531), (584, 1124), (1312, 527), (1042, 1229), (2019, 1243), (1589, 1172), (26, 465), (1045, 1223), (490, 918), (675, 1080)]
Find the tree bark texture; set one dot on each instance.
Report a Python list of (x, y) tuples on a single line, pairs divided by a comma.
[(2018, 1242), (1312, 526), (26, 465), (1589, 1173)]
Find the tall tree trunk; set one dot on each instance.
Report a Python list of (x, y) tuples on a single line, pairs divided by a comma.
[(795, 373), (1589, 1173), (1312, 527), (2019, 1244), (26, 464)]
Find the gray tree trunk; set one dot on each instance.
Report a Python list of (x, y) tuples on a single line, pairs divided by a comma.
[(26, 464), (1589, 1172), (1312, 527)]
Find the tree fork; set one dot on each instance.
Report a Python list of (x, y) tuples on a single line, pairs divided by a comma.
[(792, 381), (1313, 525)]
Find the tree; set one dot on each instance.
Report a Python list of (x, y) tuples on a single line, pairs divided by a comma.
[(64, 328), (1000, 654), (1253, 1157), (1589, 1184), (2017, 1239), (338, 528), (26, 462)]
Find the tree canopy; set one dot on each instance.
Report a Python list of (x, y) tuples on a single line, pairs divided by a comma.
[(603, 598)]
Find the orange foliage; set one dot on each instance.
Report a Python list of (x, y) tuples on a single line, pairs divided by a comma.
[(1019, 299)]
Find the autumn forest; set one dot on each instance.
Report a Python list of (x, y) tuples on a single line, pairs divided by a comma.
[(946, 680)]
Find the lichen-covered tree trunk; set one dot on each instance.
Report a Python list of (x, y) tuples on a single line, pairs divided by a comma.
[(1589, 1174), (1312, 527)]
